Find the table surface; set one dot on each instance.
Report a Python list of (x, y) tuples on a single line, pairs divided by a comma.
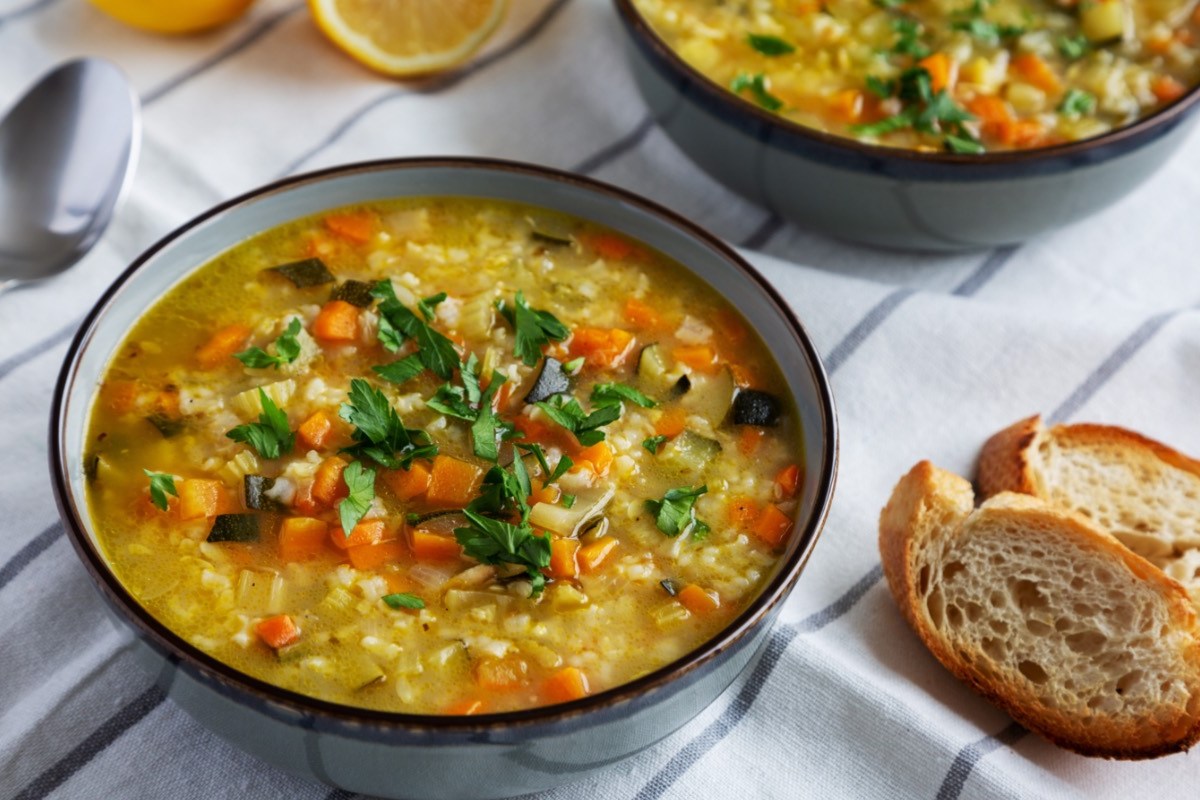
[(928, 356)]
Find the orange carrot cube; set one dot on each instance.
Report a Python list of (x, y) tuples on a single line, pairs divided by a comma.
[(562, 558), (375, 556), (409, 483), (277, 631), (367, 532), (328, 487), (315, 431), (772, 525), (565, 685), (428, 546), (453, 482), (593, 554), (696, 600), (203, 498), (223, 344), (337, 323), (302, 538)]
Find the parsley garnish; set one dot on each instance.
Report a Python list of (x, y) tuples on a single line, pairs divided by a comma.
[(270, 436), (361, 483), (397, 321), (675, 513), (468, 403), (401, 371), (401, 600), (1073, 47), (653, 443), (572, 366), (567, 412), (533, 329), (487, 424), (610, 394), (379, 434), (909, 42), (161, 485), (757, 84), (881, 88), (927, 112), (962, 144), (1076, 103), (549, 476), (286, 349), (770, 45), (428, 305), (988, 32)]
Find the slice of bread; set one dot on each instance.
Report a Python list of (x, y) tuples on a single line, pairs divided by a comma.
[(1141, 491), (1046, 615)]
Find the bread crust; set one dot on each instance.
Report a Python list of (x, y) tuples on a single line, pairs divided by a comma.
[(1004, 461), (922, 503)]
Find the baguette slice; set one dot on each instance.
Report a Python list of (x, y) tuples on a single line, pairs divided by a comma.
[(1047, 616), (1143, 492)]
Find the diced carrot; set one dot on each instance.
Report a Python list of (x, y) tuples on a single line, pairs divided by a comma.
[(120, 397), (304, 502), (941, 71), (994, 115), (611, 246), (846, 106), (367, 532), (772, 525), (203, 498), (599, 456), (562, 558), (357, 228), (374, 556), (409, 483), (602, 347), (641, 315), (565, 685), (452, 482), (1034, 69), (428, 546), (328, 487), (1159, 45), (744, 375), (302, 538), (730, 327), (544, 494), (277, 632), (741, 512), (696, 600), (749, 439), (699, 357), (787, 482), (398, 582), (501, 673), (1022, 133), (315, 431), (592, 555), (223, 344), (1166, 88), (671, 423), (337, 323), (465, 708)]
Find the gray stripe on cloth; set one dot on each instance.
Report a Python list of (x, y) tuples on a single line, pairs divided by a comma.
[(759, 237), (865, 327), (434, 87), (82, 754), (38, 348), (985, 271), (251, 36), (620, 147), (964, 763), (29, 552)]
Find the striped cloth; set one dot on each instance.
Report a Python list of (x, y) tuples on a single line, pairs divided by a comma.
[(928, 355)]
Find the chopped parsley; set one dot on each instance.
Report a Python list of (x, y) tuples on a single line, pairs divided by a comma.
[(401, 600), (360, 481), (161, 485), (1076, 103), (467, 402), (574, 365), (428, 305), (567, 412), (757, 86), (611, 394), (770, 45), (988, 32), (397, 322), (533, 329), (880, 88), (379, 434), (286, 350), (926, 112), (962, 144), (653, 443), (675, 513), (549, 476), (270, 436), (909, 41), (1073, 47), (401, 371)]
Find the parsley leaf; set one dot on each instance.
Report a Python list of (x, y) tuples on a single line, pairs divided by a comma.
[(161, 485), (770, 45), (434, 349), (1076, 103), (486, 424), (675, 513), (909, 42), (494, 541), (608, 394), (567, 412), (549, 476), (286, 348), (653, 443), (270, 436), (391, 339), (469, 403), (401, 600), (379, 433), (988, 32), (963, 144), (428, 305), (881, 88), (757, 84), (401, 371), (533, 329), (1073, 47), (361, 483), (572, 366)]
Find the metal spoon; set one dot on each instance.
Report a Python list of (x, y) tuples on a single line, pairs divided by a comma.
[(67, 152)]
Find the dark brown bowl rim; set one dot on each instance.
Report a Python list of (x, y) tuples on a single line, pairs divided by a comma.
[(233, 682), (638, 24)]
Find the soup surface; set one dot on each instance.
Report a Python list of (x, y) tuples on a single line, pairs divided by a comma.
[(967, 76), (443, 456)]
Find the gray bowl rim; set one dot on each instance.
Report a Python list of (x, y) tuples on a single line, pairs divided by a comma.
[(913, 163), (361, 722)]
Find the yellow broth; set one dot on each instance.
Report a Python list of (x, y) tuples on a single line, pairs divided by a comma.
[(386, 610)]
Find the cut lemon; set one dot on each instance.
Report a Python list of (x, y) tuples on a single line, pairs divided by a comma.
[(408, 37), (173, 16)]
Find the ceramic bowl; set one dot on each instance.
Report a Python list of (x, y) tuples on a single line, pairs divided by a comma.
[(888, 196), (409, 755)]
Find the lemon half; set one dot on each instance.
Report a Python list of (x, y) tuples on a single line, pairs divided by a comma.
[(173, 16)]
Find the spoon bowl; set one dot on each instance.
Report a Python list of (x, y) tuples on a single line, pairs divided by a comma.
[(67, 154)]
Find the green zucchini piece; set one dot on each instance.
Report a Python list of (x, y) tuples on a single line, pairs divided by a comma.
[(689, 454), (235, 528), (551, 229), (356, 293), (752, 407), (550, 381), (651, 372), (255, 488), (710, 396), (306, 273), (167, 426)]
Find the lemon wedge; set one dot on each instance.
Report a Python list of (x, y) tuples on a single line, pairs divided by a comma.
[(173, 16), (408, 37)]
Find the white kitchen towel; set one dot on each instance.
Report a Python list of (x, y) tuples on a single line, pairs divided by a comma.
[(928, 356)]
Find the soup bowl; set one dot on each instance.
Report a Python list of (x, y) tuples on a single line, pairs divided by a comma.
[(414, 755), (889, 196)]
